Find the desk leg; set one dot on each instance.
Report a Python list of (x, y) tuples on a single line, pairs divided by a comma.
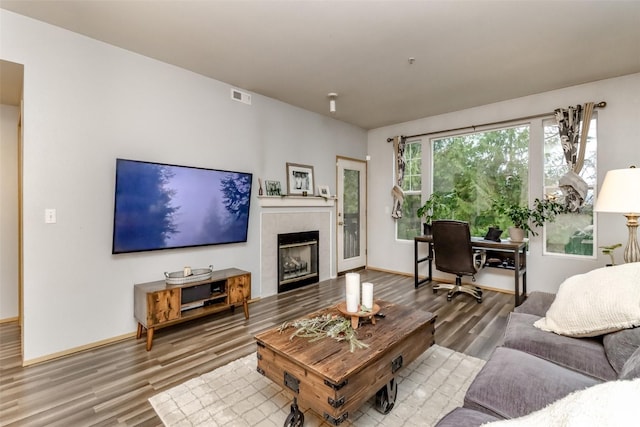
[(430, 261), (417, 281), (518, 257), (415, 267)]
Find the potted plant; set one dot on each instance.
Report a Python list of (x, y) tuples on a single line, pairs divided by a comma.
[(524, 219), (433, 208)]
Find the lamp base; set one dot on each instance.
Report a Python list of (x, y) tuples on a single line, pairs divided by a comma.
[(632, 251)]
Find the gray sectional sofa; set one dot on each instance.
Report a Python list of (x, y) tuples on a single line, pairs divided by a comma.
[(534, 368)]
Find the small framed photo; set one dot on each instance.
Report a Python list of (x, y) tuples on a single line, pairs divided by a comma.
[(299, 179), (323, 190), (272, 188)]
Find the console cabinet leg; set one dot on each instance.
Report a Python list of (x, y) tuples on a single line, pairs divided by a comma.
[(245, 306), (139, 332), (149, 338)]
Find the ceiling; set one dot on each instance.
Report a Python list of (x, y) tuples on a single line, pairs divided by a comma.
[(467, 53)]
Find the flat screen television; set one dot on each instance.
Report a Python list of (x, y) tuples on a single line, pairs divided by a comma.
[(163, 206)]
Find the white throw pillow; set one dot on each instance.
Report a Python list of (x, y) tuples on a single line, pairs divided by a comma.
[(610, 404), (595, 303)]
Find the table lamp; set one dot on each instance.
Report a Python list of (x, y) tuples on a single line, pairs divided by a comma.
[(620, 193)]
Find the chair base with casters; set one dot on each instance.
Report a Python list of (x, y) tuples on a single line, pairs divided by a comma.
[(457, 288)]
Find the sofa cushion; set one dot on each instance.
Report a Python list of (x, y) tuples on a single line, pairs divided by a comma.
[(585, 355), (631, 368), (619, 346), (595, 303), (610, 404), (513, 383), (463, 417), (536, 303)]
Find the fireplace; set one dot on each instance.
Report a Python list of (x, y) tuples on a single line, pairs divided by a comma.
[(297, 260)]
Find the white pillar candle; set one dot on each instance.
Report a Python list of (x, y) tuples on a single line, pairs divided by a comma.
[(352, 303), (353, 285), (367, 295)]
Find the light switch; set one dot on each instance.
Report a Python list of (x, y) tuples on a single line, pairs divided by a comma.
[(50, 216)]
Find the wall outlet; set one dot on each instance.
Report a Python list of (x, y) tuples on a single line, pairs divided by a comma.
[(50, 216)]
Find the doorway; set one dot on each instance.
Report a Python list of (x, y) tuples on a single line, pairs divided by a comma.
[(351, 233), (11, 119)]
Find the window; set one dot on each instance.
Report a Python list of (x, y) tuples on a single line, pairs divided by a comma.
[(472, 171), (570, 233), (409, 226)]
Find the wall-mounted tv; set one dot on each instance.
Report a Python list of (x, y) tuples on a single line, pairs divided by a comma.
[(162, 206)]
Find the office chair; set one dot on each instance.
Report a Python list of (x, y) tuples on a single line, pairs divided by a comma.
[(454, 254)]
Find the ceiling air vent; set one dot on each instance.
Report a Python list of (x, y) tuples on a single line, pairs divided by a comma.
[(238, 95)]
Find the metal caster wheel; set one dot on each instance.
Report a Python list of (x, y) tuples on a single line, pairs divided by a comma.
[(296, 417), (386, 397)]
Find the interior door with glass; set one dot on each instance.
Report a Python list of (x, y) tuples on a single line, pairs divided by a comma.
[(352, 214)]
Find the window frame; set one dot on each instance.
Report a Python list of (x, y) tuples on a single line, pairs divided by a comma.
[(592, 188)]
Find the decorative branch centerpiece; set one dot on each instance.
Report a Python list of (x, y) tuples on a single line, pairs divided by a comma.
[(325, 326)]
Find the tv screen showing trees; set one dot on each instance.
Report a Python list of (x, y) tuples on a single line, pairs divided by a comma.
[(162, 206)]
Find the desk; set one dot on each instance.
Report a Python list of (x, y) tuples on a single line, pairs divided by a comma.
[(515, 251)]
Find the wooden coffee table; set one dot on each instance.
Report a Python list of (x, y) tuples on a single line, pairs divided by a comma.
[(327, 378)]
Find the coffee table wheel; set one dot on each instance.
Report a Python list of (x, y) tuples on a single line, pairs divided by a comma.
[(296, 417), (386, 397)]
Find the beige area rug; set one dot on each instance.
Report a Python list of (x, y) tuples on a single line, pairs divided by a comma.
[(237, 395)]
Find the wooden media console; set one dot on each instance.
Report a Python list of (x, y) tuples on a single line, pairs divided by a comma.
[(157, 304)]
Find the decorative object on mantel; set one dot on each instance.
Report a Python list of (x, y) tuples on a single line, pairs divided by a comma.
[(326, 326), (323, 191), (299, 179), (188, 275), (273, 188), (259, 187), (620, 193)]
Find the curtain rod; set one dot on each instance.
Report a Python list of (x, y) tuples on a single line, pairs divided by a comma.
[(600, 104)]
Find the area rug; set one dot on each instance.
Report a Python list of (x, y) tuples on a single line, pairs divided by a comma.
[(237, 395)]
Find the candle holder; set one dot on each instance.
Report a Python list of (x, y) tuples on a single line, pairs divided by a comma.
[(355, 317)]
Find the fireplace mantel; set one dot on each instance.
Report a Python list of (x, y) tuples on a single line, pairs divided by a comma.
[(295, 201)]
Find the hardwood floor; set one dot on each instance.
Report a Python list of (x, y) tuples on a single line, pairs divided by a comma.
[(110, 385)]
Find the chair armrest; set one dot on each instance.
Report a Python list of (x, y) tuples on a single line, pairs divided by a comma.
[(479, 258)]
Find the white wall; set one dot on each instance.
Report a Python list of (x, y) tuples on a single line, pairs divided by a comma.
[(618, 147), (87, 103), (8, 212)]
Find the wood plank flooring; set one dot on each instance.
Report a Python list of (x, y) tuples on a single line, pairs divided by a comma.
[(110, 385)]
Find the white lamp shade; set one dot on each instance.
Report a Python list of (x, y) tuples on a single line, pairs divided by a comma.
[(620, 192)]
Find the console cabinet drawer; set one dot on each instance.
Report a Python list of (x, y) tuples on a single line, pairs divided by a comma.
[(163, 306), (239, 289)]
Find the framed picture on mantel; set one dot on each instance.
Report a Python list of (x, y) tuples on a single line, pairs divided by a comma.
[(273, 188), (299, 179)]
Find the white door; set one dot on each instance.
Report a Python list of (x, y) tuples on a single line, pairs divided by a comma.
[(352, 214)]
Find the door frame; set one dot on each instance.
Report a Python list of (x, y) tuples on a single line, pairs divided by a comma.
[(340, 268)]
